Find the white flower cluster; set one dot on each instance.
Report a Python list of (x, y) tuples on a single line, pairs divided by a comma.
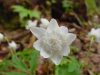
[(96, 33), (53, 41), (44, 23)]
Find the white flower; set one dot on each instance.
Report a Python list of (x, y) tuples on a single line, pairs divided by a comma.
[(1, 37), (13, 45), (96, 33), (53, 42), (31, 24), (44, 23)]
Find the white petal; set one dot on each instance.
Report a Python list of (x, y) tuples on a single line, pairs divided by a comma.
[(37, 46), (43, 26), (12, 45), (44, 21), (31, 24), (94, 32), (34, 23), (66, 51), (56, 59), (38, 32), (70, 38), (98, 40), (93, 29), (1, 37), (44, 54), (98, 32), (53, 25), (64, 29)]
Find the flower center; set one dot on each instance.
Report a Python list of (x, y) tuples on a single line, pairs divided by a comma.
[(52, 44)]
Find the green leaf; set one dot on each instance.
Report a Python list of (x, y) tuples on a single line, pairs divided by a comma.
[(14, 73), (63, 70), (18, 8), (33, 60), (23, 12), (4, 65), (73, 65), (35, 14), (23, 15), (91, 6), (67, 5), (17, 63), (68, 68)]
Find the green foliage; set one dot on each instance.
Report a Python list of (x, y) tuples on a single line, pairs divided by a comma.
[(4, 65), (72, 67), (25, 62), (14, 73), (67, 5), (33, 61), (91, 7), (25, 14), (18, 64)]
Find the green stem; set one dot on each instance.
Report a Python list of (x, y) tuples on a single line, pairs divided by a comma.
[(11, 50)]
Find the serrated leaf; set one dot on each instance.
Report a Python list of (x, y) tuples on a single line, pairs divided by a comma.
[(63, 70), (18, 64), (18, 8), (33, 60), (35, 14), (23, 15), (68, 68), (73, 65)]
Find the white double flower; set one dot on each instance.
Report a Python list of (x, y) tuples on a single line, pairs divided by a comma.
[(53, 42)]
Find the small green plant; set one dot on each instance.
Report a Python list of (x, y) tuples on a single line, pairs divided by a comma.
[(68, 67), (24, 63), (25, 14), (67, 5)]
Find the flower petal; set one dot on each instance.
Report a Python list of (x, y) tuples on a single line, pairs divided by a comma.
[(31, 24), (66, 51), (70, 38), (44, 21), (56, 59), (52, 25), (98, 32), (1, 37), (12, 45), (64, 29), (37, 46), (38, 32), (43, 26), (44, 54)]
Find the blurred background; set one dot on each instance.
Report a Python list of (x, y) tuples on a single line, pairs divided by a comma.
[(78, 15)]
